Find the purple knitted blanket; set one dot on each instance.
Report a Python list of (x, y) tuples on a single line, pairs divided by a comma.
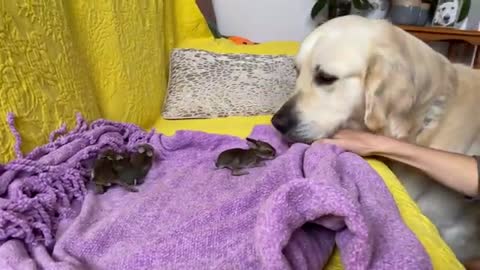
[(287, 215)]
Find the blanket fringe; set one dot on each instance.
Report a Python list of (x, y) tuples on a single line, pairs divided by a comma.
[(16, 134), (33, 208), (62, 130)]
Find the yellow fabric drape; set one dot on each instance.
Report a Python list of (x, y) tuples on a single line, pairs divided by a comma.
[(122, 43), (42, 78), (105, 59)]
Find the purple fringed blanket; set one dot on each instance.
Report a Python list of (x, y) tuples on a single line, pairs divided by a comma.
[(187, 215)]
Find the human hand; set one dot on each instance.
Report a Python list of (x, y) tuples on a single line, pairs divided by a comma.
[(359, 142)]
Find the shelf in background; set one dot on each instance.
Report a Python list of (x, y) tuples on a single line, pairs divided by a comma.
[(432, 33), (456, 38)]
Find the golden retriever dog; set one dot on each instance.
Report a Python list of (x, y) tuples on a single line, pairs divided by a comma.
[(367, 74)]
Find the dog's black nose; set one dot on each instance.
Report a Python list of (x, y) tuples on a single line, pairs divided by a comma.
[(446, 18), (286, 118), (281, 123)]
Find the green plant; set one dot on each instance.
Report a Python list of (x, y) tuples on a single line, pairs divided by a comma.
[(464, 10), (320, 4)]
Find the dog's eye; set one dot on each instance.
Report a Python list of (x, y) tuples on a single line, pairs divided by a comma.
[(322, 78)]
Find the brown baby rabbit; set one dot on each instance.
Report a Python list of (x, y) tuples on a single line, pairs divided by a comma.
[(238, 159), (134, 167), (104, 174)]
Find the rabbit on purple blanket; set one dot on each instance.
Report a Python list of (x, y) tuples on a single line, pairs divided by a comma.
[(238, 159), (123, 169)]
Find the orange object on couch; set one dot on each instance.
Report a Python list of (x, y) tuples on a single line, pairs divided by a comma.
[(241, 41)]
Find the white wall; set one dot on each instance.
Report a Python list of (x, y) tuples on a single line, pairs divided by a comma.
[(474, 16), (264, 20), (254, 19)]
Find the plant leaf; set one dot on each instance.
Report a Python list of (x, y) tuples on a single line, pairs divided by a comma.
[(319, 5), (362, 4), (357, 4), (332, 9), (464, 10), (433, 6), (368, 5)]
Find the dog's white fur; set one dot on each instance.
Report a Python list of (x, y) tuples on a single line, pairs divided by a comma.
[(446, 13), (391, 83)]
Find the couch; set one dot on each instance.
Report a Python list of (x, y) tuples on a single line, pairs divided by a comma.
[(109, 59)]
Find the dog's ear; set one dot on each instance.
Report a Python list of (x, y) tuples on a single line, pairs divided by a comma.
[(389, 96)]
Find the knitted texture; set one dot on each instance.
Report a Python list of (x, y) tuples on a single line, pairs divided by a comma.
[(51, 177), (189, 215)]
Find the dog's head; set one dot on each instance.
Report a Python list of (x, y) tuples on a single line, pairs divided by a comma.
[(352, 73), (446, 13)]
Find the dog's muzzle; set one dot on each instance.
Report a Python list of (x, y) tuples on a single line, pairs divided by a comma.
[(286, 118)]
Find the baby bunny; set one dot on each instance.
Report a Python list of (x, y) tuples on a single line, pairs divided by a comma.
[(238, 159)]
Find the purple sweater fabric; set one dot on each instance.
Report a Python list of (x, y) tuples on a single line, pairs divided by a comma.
[(289, 214)]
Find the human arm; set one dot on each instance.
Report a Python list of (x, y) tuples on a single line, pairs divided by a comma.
[(456, 171)]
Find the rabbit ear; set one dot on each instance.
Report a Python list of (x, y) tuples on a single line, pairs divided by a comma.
[(264, 145), (252, 143)]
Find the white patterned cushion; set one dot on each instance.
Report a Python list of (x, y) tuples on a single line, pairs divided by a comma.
[(208, 85)]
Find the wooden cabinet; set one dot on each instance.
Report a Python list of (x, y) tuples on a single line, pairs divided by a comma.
[(457, 39)]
